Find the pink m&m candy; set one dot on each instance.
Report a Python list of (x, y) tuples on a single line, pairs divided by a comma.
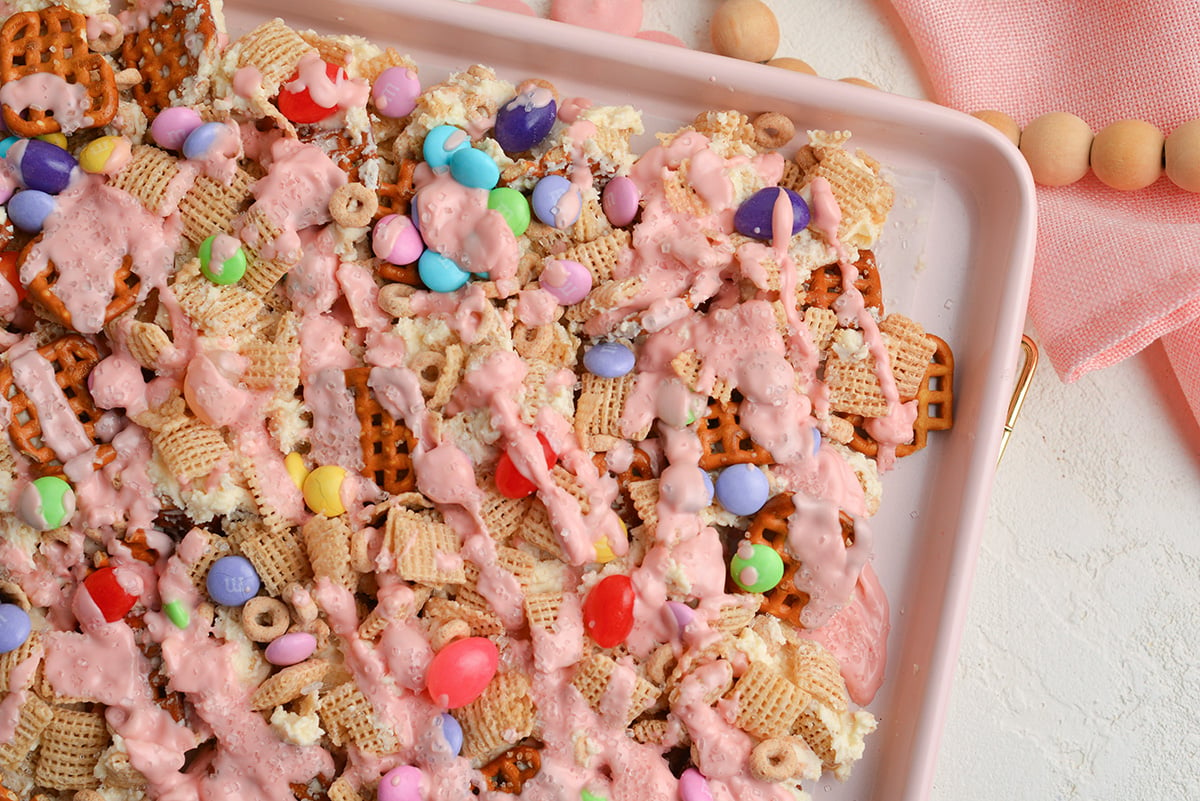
[(401, 784), (620, 201), (694, 787), (461, 671), (396, 240), (568, 281), (395, 92), (291, 649), (171, 127)]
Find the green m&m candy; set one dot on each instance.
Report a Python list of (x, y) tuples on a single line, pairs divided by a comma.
[(222, 259), (47, 503), (756, 567), (513, 207)]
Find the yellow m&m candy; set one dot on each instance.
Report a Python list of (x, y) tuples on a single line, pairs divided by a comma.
[(296, 469), (107, 155), (322, 490)]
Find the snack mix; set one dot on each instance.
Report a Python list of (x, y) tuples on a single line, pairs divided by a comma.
[(370, 435)]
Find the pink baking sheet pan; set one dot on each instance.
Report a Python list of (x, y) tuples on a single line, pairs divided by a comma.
[(956, 255)]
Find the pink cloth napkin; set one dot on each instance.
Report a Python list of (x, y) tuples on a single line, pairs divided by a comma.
[(1114, 270)]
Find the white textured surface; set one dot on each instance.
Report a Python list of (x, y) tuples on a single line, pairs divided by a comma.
[(1079, 671)]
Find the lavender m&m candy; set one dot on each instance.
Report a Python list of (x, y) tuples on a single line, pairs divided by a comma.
[(172, 126), (620, 201), (43, 166), (201, 141), (395, 92), (524, 121), (742, 489), (29, 208), (442, 143), (232, 580), (452, 732), (396, 240), (567, 281), (291, 648), (694, 787), (439, 273), (14, 627), (401, 784), (556, 201), (755, 217), (609, 359), (474, 168)]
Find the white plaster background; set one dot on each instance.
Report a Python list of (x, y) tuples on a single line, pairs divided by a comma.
[(1079, 670)]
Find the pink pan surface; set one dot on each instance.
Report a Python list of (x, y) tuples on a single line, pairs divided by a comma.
[(956, 255)]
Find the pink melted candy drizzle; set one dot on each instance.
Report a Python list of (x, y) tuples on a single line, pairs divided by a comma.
[(857, 635)]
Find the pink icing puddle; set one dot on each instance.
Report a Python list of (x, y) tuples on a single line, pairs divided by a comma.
[(46, 91)]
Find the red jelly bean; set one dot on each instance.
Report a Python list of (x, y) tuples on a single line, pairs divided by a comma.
[(608, 611), (511, 482), (8, 269), (108, 594), (461, 671), (299, 107)]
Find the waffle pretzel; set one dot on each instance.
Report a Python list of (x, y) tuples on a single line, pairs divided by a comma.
[(724, 441), (825, 283), (169, 51), (126, 285), (386, 444), (53, 42), (935, 405), (72, 358), (770, 527), (508, 772)]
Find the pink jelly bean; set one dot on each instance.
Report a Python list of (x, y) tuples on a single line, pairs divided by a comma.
[(291, 649), (620, 201), (568, 281), (400, 784), (395, 92), (396, 240), (694, 787), (461, 671), (171, 127)]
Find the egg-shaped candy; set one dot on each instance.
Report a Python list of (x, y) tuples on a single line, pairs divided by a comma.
[(15, 627), (694, 787), (442, 143), (402, 783), (46, 503), (513, 207), (524, 121), (201, 142), (106, 155), (323, 490), (298, 105), (755, 218), (232, 580), (42, 166), (177, 613), (567, 281), (58, 139), (609, 359), (172, 126), (511, 482), (742, 489), (296, 469), (608, 611), (6, 145), (395, 92), (222, 259), (396, 240), (474, 168), (440, 273), (461, 671), (556, 201), (452, 732), (291, 648), (111, 597), (619, 200), (756, 567), (29, 208)]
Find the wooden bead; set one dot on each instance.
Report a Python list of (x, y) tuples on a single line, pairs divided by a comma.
[(1183, 156), (793, 64), (1002, 123), (1128, 154), (859, 82), (1057, 146), (745, 29)]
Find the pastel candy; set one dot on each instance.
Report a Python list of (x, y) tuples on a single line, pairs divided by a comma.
[(232, 580), (203, 139), (513, 207), (567, 281), (222, 259), (43, 166), (524, 121), (755, 217), (14, 627), (609, 359), (452, 732), (291, 648), (46, 503), (442, 143), (401, 784), (110, 595), (177, 613), (322, 490), (29, 208), (172, 126), (756, 567), (395, 92), (694, 787), (474, 168), (556, 201), (440, 273), (107, 155), (461, 671), (742, 489), (396, 240), (619, 200)]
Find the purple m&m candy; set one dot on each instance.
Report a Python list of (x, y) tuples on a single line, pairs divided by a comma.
[(568, 281), (14, 627), (609, 360), (172, 126), (524, 121), (43, 166), (401, 784), (396, 240), (395, 92), (291, 648), (556, 201), (232, 580), (743, 488), (755, 217), (452, 732), (620, 201), (29, 208)]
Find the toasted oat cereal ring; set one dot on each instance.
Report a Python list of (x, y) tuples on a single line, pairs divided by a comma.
[(775, 760), (352, 205), (773, 130), (110, 33), (264, 618)]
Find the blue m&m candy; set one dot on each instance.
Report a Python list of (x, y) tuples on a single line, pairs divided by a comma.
[(524, 121), (474, 168), (43, 166), (452, 732), (556, 202), (755, 217), (201, 141), (14, 627), (232, 580), (743, 489), (609, 360), (29, 208), (442, 143), (440, 273)]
